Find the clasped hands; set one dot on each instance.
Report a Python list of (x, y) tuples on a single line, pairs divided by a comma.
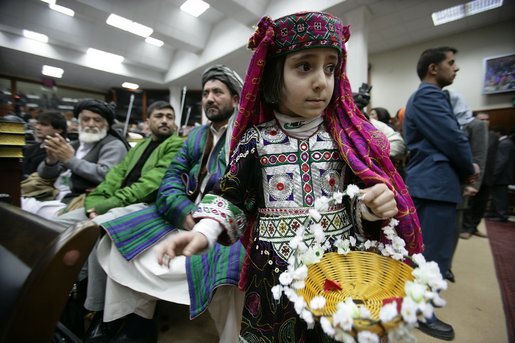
[(58, 149), (378, 198)]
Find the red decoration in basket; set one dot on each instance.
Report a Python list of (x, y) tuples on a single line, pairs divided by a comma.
[(397, 300), (331, 285)]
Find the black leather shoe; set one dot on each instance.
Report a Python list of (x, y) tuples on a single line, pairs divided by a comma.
[(436, 328), (136, 329), (449, 275), (100, 332)]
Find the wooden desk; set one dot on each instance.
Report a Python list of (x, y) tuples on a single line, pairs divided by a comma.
[(10, 178)]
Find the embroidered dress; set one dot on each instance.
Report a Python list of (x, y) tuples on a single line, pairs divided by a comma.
[(277, 178)]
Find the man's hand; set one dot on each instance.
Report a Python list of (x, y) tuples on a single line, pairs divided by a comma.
[(58, 148), (380, 200), (92, 213), (472, 179), (469, 191), (185, 243)]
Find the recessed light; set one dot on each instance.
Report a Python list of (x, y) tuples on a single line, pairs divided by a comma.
[(461, 11), (129, 25), (130, 85), (194, 7), (52, 71), (36, 36), (62, 9), (154, 41)]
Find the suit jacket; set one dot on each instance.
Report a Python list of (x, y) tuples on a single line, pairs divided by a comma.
[(439, 152)]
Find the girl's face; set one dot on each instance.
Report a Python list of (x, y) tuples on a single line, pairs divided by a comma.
[(308, 82)]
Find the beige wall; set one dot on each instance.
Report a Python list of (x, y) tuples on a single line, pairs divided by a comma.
[(393, 73)]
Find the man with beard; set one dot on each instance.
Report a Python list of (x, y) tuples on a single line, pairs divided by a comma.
[(80, 166), (439, 158), (49, 123), (134, 279), (127, 187)]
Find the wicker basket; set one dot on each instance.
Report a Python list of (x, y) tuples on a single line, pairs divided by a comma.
[(367, 277)]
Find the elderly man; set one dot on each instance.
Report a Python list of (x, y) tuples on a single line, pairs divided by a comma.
[(80, 166), (135, 280), (127, 188)]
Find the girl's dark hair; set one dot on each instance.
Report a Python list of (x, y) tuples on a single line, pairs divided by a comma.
[(273, 81)]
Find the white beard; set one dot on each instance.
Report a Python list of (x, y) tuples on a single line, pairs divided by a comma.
[(87, 135)]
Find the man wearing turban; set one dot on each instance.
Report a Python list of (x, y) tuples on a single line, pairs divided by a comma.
[(80, 166), (127, 254)]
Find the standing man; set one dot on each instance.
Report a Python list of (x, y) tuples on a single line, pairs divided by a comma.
[(127, 254), (439, 160)]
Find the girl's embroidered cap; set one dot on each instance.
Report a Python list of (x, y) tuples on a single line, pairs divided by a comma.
[(302, 30)]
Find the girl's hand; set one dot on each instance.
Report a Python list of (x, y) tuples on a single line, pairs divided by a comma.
[(185, 243), (380, 200)]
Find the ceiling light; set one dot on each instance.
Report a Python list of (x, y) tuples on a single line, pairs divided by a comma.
[(36, 36), (478, 6), (153, 41), (129, 25), (194, 7), (49, 1), (130, 85), (102, 56), (62, 9), (464, 10), (52, 71)]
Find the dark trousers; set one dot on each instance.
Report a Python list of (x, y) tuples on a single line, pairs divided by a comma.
[(476, 210), (438, 222), (500, 201)]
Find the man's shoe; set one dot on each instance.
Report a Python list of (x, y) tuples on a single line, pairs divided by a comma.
[(465, 235), (436, 328), (99, 331), (479, 234), (136, 329), (449, 275)]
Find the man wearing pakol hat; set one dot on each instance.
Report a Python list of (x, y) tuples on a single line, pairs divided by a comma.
[(80, 166), (127, 253)]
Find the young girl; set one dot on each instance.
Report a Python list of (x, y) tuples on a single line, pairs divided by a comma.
[(298, 136)]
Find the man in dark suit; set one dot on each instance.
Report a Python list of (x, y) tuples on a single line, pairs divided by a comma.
[(439, 159)]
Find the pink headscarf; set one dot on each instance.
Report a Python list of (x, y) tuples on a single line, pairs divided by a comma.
[(362, 146)]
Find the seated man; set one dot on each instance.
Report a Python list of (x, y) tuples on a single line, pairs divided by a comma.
[(135, 280), (80, 166), (127, 188), (49, 123)]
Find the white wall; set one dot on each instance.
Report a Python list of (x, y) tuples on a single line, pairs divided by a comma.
[(394, 77)]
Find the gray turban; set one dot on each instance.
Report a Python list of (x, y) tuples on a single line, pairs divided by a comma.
[(223, 74)]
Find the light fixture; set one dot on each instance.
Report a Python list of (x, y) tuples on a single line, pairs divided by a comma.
[(52, 71), (130, 85), (36, 36), (154, 41), (61, 9), (194, 7), (49, 1), (103, 56), (129, 25), (461, 11)]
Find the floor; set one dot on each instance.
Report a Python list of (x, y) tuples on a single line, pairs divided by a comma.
[(474, 304)]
